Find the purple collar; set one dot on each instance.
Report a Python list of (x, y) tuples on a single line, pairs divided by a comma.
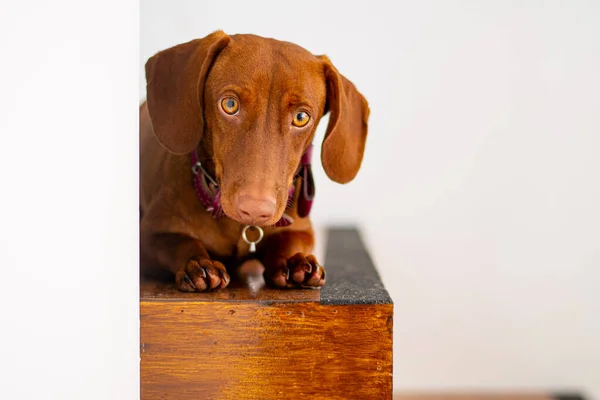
[(209, 193)]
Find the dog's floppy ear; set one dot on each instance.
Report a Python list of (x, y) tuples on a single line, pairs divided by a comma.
[(175, 85), (344, 144)]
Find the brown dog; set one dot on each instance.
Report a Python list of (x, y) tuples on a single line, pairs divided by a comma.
[(246, 108)]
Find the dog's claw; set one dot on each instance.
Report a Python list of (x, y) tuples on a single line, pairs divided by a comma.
[(189, 281), (224, 277)]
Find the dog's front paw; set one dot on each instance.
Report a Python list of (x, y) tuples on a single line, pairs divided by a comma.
[(300, 270), (202, 274)]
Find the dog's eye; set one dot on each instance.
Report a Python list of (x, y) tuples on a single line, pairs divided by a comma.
[(300, 119), (230, 105)]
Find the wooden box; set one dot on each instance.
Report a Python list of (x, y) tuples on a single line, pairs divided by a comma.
[(251, 342)]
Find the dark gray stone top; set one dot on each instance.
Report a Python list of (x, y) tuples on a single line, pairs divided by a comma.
[(351, 275)]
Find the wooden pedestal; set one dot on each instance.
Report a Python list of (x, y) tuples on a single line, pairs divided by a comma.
[(251, 342)]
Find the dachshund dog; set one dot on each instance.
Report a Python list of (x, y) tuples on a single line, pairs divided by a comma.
[(225, 142)]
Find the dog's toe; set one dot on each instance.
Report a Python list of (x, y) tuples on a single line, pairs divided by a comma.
[(183, 282), (299, 270)]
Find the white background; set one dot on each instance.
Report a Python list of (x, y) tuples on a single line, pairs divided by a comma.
[(478, 196), (69, 200)]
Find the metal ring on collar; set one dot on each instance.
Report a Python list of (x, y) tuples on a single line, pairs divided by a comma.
[(252, 243), (260, 234)]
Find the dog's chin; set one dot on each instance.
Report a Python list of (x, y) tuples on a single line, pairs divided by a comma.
[(234, 215), (263, 224)]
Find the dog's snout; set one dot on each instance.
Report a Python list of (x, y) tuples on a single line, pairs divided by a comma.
[(255, 210)]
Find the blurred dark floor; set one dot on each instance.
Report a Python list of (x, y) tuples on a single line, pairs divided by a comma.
[(487, 396)]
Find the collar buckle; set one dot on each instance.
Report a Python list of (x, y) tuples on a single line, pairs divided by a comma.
[(197, 168)]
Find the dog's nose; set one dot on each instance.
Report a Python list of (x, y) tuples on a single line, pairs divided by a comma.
[(255, 210)]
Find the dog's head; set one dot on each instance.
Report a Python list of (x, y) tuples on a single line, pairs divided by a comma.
[(255, 104)]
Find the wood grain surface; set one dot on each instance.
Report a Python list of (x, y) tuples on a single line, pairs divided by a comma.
[(251, 289), (226, 350)]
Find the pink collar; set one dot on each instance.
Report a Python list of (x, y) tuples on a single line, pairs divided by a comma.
[(209, 193)]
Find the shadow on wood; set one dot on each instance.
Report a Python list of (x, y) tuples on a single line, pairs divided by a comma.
[(252, 342)]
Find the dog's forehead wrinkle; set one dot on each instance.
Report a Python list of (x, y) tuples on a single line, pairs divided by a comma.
[(252, 53), (259, 41)]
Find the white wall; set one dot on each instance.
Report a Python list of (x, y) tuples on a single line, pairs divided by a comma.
[(69, 310), (480, 193)]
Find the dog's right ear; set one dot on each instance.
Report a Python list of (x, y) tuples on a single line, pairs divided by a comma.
[(344, 144), (175, 85)]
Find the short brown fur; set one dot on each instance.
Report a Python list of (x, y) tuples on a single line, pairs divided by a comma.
[(256, 151)]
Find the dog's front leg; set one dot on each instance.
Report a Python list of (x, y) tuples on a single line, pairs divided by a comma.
[(184, 257), (289, 263)]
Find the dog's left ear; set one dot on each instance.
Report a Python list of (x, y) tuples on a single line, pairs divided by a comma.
[(175, 86), (344, 144)]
